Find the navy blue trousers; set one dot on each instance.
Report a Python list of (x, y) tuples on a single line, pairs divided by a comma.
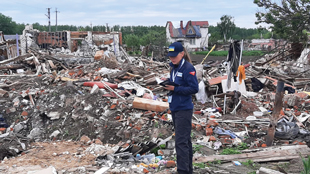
[(182, 122)]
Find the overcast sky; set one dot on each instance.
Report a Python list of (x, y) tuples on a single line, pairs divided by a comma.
[(129, 12)]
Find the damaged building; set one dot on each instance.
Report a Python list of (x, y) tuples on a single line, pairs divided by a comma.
[(8, 46), (194, 36), (77, 43)]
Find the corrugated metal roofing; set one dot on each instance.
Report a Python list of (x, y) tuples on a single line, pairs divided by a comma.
[(11, 37)]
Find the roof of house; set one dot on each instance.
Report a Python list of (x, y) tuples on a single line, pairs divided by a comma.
[(11, 37), (181, 31)]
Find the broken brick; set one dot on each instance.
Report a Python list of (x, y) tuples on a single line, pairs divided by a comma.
[(24, 113), (97, 141), (193, 126), (285, 142), (170, 164), (212, 138), (198, 127), (160, 152), (296, 142), (197, 112), (209, 131), (212, 116), (212, 123), (145, 170), (84, 139), (127, 134), (224, 136), (113, 106), (301, 95), (137, 127), (226, 141), (298, 113)]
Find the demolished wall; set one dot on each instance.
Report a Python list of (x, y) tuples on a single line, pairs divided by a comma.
[(83, 43)]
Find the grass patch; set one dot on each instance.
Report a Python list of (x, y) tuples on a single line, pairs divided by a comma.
[(225, 53), (234, 150), (242, 146), (306, 164), (230, 151), (250, 164), (285, 166), (155, 150), (215, 162), (197, 148), (213, 53), (200, 165)]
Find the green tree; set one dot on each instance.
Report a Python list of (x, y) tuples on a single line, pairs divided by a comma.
[(132, 41), (226, 26), (7, 25), (288, 19)]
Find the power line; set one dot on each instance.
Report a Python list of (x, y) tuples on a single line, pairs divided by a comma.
[(49, 21), (56, 17)]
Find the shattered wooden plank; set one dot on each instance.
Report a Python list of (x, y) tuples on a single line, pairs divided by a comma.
[(263, 170), (133, 75), (36, 61), (15, 83), (275, 113), (15, 59), (38, 70), (31, 100), (148, 104), (149, 76), (273, 154), (11, 66), (154, 62), (275, 81), (3, 93), (217, 80), (51, 64), (44, 68)]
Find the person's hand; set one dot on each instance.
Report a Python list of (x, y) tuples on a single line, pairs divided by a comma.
[(163, 79), (169, 87)]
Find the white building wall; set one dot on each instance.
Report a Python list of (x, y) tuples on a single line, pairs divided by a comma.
[(169, 39), (260, 40), (204, 37)]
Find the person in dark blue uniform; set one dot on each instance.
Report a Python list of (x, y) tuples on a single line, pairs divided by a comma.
[(185, 84)]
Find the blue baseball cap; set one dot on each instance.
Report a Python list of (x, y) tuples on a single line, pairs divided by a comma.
[(174, 49)]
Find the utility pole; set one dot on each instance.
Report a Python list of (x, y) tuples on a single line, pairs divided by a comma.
[(56, 17), (49, 21)]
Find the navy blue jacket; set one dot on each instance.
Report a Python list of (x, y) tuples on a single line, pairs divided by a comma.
[(185, 77)]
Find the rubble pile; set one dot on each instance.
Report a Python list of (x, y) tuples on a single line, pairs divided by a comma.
[(112, 116)]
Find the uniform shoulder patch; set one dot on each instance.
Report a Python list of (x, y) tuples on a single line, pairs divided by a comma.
[(192, 73)]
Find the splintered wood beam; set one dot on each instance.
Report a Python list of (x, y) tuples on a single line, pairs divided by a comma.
[(148, 104), (15, 59), (275, 113), (11, 66), (270, 154)]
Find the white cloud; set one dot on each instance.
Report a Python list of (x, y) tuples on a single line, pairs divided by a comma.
[(129, 12)]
